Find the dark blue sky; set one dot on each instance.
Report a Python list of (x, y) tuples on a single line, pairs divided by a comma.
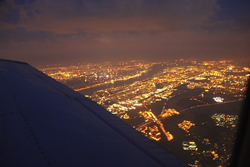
[(52, 31)]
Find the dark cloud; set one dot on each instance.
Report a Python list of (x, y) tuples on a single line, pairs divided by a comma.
[(21, 35), (235, 15), (12, 17), (92, 15), (20, 2), (47, 31)]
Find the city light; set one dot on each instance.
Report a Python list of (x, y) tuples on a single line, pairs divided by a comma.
[(173, 88)]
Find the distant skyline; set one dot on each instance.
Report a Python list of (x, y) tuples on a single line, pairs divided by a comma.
[(43, 32)]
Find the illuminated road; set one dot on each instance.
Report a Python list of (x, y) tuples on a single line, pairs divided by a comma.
[(204, 105)]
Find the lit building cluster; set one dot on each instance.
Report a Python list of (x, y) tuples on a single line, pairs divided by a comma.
[(149, 119), (148, 115), (152, 133), (168, 113), (186, 125), (220, 77), (218, 99), (189, 145), (225, 120)]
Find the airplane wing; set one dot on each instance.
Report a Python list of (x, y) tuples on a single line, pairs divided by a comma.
[(45, 123)]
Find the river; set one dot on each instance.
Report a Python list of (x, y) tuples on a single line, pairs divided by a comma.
[(153, 70)]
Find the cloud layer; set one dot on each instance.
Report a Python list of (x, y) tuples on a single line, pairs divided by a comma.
[(52, 31)]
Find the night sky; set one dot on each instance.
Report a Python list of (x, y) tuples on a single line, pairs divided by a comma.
[(68, 31)]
